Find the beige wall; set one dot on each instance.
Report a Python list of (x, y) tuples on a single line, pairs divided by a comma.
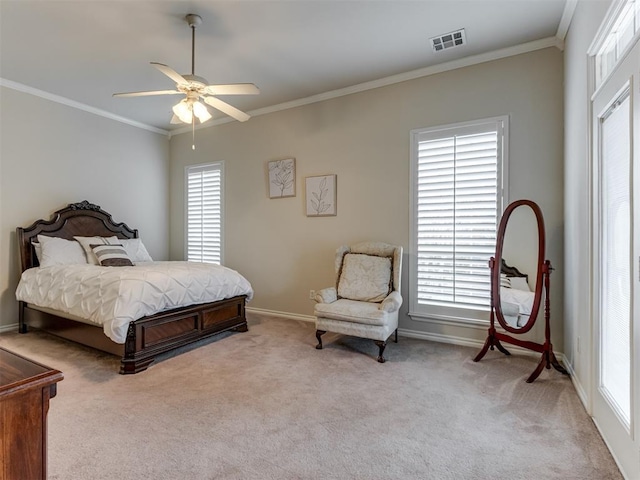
[(364, 139), (52, 155), (585, 23)]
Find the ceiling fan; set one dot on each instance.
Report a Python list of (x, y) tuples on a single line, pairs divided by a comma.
[(194, 88)]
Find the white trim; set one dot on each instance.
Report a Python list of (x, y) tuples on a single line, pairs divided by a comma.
[(468, 342), (9, 328), (449, 320), (565, 21), (540, 44), (605, 27), (274, 313), (580, 390), (611, 451), (401, 77), (80, 106)]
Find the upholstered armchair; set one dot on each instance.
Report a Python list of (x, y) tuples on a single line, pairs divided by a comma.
[(366, 299)]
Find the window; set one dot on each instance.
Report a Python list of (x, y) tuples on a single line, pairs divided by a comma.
[(204, 213), (620, 35), (457, 189)]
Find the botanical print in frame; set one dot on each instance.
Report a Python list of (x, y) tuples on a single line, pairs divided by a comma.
[(282, 178), (321, 196)]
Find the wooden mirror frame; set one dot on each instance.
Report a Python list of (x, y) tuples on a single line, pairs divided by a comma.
[(548, 358), (496, 269)]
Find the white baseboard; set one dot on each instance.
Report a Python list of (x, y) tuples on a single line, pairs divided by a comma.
[(434, 337), (9, 328), (582, 393)]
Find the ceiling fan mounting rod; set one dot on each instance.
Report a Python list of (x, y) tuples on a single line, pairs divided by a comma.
[(193, 20)]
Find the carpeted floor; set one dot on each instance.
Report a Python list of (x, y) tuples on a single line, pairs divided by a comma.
[(266, 405)]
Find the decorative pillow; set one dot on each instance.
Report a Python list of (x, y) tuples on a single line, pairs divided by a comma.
[(136, 250), (520, 283), (366, 278), (58, 251), (111, 255), (505, 281), (86, 243)]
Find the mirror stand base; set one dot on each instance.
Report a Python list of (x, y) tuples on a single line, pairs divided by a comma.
[(547, 360)]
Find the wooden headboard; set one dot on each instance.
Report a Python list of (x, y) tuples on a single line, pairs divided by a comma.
[(510, 271), (82, 219)]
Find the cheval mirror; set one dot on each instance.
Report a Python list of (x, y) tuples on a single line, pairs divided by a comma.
[(515, 302)]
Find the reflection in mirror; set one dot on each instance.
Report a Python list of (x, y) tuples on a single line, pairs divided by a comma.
[(520, 255), (520, 252)]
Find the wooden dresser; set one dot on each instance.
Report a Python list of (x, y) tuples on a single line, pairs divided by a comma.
[(25, 390)]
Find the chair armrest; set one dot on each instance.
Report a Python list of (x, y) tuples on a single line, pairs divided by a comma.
[(326, 295), (392, 302)]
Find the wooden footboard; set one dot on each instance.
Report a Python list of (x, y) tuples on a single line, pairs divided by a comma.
[(152, 336), (147, 337)]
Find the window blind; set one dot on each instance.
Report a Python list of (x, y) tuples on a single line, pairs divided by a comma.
[(204, 213), (616, 259), (456, 209)]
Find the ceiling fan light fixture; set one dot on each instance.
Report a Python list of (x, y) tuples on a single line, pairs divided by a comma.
[(201, 112), (183, 111)]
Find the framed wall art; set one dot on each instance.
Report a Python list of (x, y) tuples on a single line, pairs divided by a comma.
[(321, 195), (282, 178)]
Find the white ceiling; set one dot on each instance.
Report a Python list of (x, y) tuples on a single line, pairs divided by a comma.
[(87, 50)]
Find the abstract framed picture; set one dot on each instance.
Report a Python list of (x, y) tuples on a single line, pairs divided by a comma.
[(321, 195), (282, 178)]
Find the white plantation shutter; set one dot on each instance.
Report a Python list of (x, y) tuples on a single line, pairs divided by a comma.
[(616, 260), (204, 213), (457, 198)]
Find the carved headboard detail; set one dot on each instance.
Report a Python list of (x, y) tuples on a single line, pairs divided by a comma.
[(77, 219)]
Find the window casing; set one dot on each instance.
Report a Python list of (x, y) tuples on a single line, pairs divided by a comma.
[(458, 177), (203, 212), (620, 35)]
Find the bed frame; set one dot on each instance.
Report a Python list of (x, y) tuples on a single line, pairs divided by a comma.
[(147, 337)]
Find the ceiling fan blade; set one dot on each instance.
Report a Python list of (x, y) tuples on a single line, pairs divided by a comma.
[(144, 94), (228, 109), (170, 72), (232, 89)]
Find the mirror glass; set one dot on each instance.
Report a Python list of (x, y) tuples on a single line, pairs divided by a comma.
[(519, 263)]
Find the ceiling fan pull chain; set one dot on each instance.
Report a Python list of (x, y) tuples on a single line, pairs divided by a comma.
[(193, 132)]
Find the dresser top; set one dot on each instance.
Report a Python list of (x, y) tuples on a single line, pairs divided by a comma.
[(18, 373)]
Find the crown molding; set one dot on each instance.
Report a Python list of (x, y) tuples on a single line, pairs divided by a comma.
[(80, 106), (401, 77), (565, 20), (543, 43)]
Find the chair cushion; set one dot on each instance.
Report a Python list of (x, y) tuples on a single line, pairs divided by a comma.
[(365, 278), (353, 311)]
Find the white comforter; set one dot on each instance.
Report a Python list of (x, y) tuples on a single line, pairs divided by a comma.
[(516, 305), (114, 296)]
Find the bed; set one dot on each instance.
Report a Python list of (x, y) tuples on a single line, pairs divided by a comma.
[(139, 341), (516, 297)]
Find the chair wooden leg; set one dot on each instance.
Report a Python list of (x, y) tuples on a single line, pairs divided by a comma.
[(381, 346), (396, 339), (319, 334)]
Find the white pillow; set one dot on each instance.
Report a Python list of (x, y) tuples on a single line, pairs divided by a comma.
[(366, 278), (135, 249), (58, 251), (505, 281), (38, 249), (86, 243), (520, 283)]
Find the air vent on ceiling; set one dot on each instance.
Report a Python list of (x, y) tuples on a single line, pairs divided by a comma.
[(448, 40)]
